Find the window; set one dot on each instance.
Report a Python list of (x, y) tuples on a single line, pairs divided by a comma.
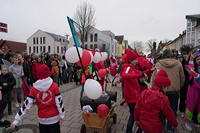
[(29, 49), (33, 49), (95, 46), (91, 46), (44, 49), (62, 50), (37, 40), (49, 49), (95, 37), (40, 40), (33, 40), (86, 37), (60, 39), (91, 37), (85, 46), (63, 40), (44, 40), (37, 49), (104, 47), (41, 49), (58, 49)]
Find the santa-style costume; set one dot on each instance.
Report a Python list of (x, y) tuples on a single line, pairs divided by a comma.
[(49, 101), (129, 76), (152, 104)]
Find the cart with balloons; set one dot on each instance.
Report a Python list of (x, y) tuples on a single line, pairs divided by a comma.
[(100, 100), (96, 103)]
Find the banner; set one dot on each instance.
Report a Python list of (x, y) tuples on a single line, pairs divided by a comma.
[(3, 27)]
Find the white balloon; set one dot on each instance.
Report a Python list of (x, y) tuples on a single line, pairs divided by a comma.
[(104, 56), (92, 89), (71, 54), (97, 57), (91, 56)]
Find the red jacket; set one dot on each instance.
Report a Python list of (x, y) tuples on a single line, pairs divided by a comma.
[(130, 77), (149, 105)]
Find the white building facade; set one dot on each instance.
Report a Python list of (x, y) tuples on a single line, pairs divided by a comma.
[(193, 30), (45, 42), (102, 40), (178, 42)]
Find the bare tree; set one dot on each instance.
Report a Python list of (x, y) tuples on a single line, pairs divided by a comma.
[(85, 17), (150, 44), (137, 45)]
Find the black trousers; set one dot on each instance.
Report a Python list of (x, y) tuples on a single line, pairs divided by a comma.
[(183, 96), (9, 103), (3, 104), (52, 128)]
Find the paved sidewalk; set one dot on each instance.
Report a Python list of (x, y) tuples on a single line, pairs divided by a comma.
[(73, 119)]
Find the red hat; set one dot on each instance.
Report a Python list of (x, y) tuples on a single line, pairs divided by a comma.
[(162, 79), (43, 72), (131, 56)]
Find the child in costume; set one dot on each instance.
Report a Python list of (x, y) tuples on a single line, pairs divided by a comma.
[(49, 101), (152, 103)]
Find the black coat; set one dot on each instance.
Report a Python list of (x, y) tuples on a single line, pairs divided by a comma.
[(9, 79)]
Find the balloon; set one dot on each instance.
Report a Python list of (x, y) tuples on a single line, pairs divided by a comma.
[(97, 57), (102, 110), (86, 58), (91, 56), (71, 54), (104, 56), (102, 73), (92, 89)]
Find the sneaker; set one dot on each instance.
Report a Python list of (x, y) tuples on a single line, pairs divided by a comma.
[(188, 126)]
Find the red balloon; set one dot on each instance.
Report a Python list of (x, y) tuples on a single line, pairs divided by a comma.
[(102, 110), (86, 59), (102, 73)]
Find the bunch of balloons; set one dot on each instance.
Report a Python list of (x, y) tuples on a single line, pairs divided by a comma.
[(87, 56)]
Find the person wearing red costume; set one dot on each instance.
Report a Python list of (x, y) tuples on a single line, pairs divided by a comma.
[(152, 104), (129, 76)]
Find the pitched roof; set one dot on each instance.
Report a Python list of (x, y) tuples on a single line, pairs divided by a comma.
[(55, 36), (119, 38), (14, 46)]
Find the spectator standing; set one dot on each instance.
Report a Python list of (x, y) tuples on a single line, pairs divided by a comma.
[(175, 72), (17, 71)]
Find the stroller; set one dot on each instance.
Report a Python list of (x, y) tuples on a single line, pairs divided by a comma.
[(92, 121)]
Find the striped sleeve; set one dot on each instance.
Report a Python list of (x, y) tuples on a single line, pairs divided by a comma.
[(60, 105), (22, 111)]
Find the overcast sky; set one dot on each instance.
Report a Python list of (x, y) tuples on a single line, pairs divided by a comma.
[(139, 20)]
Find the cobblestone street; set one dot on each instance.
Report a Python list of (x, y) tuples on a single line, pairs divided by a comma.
[(73, 119)]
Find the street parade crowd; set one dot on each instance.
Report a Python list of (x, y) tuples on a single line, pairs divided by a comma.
[(154, 88)]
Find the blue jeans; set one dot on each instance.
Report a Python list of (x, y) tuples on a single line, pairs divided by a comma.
[(173, 99), (131, 119)]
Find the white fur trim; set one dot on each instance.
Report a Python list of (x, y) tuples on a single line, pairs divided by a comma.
[(50, 120), (43, 85)]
